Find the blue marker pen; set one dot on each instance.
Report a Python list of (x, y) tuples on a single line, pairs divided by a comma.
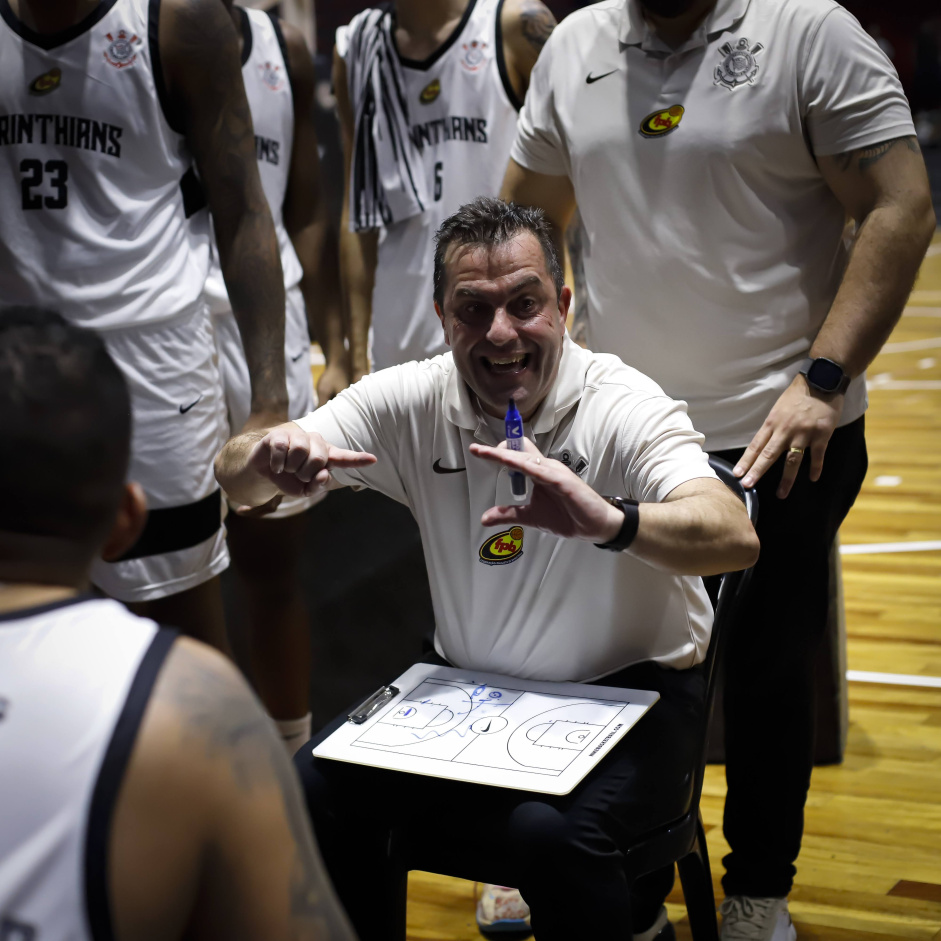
[(514, 441)]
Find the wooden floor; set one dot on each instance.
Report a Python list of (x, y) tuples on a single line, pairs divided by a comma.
[(870, 868)]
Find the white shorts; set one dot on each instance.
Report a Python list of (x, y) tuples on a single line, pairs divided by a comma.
[(300, 381), (179, 427)]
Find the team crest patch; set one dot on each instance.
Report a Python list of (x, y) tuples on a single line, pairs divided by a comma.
[(502, 548), (430, 92), (272, 76), (662, 122), (738, 64), (47, 82), (475, 53), (121, 52)]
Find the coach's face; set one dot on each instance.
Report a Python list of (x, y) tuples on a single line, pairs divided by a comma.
[(503, 322)]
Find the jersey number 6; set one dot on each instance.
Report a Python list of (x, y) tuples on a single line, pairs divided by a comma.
[(58, 171)]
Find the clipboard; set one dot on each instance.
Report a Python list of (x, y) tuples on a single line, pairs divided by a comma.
[(485, 728)]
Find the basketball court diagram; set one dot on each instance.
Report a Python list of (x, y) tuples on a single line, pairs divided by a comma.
[(491, 727)]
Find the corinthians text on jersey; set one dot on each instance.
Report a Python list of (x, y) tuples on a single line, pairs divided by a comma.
[(61, 130)]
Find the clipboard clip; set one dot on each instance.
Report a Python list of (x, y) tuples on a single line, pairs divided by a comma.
[(380, 698)]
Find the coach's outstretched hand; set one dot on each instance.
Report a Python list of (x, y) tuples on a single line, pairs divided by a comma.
[(699, 528), (561, 504), (254, 467)]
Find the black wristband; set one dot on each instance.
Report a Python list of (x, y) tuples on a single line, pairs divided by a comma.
[(628, 529)]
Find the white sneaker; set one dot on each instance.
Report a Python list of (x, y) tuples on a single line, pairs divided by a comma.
[(502, 913), (745, 918)]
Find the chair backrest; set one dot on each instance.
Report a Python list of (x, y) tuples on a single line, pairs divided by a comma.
[(725, 592)]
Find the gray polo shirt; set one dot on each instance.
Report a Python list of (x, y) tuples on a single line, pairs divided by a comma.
[(516, 600), (714, 246)]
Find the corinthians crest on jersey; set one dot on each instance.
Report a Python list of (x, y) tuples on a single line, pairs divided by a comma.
[(121, 51), (738, 65)]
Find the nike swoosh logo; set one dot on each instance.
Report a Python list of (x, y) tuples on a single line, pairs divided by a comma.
[(185, 408), (438, 469), (294, 359), (594, 78)]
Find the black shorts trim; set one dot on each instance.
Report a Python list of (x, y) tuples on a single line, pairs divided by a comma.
[(108, 785), (178, 527), (501, 61)]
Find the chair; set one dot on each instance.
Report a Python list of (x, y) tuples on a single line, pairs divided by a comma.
[(682, 841)]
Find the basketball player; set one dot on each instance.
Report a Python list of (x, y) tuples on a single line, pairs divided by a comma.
[(107, 110), (279, 83), (145, 794), (461, 69)]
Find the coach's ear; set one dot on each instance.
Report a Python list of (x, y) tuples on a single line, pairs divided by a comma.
[(440, 314), (128, 524)]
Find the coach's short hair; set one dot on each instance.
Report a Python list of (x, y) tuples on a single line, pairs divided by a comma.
[(490, 221), (65, 428)]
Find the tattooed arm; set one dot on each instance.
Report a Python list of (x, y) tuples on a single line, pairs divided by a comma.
[(526, 25), (884, 188), (210, 838), (200, 54)]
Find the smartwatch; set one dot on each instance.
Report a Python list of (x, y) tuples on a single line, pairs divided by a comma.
[(824, 375), (628, 529)]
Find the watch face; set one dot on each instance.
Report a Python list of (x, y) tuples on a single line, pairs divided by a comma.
[(825, 375)]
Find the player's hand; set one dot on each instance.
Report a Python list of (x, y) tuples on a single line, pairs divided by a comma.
[(802, 420), (561, 504), (298, 463), (335, 378)]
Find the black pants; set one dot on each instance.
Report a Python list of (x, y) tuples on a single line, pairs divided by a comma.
[(565, 853), (769, 661)]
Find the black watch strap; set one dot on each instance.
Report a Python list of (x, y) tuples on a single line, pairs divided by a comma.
[(628, 529)]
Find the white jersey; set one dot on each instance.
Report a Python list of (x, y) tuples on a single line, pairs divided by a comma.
[(462, 116), (75, 678), (101, 217), (267, 78)]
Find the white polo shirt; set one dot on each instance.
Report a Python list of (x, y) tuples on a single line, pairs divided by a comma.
[(714, 246), (511, 599)]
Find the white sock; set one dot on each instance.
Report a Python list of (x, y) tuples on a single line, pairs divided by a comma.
[(294, 732)]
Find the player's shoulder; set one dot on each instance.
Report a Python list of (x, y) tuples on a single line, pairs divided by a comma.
[(350, 38), (196, 33), (299, 60), (195, 11), (199, 698), (517, 13)]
